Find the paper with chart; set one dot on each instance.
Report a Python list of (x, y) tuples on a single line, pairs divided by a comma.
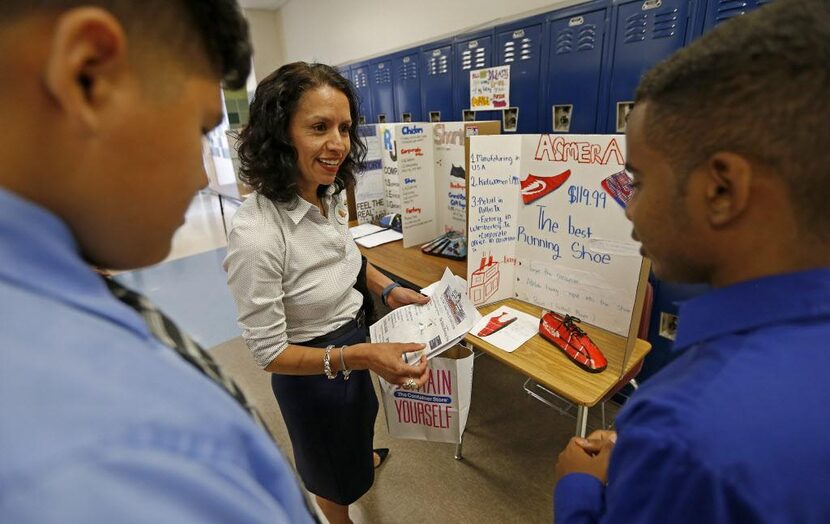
[(544, 229), (439, 324)]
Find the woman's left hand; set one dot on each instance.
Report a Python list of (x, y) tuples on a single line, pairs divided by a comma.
[(402, 296)]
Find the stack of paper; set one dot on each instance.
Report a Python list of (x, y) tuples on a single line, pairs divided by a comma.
[(439, 324), (370, 235)]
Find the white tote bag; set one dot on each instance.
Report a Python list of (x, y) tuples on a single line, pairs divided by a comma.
[(438, 410)]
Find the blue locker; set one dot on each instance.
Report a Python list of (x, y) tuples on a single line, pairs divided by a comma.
[(645, 32), (360, 80), (718, 11), (407, 84), (383, 95), (575, 56), (520, 45), (437, 81), (470, 52)]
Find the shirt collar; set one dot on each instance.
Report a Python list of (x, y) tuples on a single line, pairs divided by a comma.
[(300, 207), (38, 253), (752, 304)]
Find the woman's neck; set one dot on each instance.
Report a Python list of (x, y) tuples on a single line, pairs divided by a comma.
[(313, 198)]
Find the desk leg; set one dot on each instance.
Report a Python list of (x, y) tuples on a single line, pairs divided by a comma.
[(581, 421), (222, 212)]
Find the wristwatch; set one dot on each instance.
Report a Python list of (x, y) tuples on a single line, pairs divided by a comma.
[(385, 293)]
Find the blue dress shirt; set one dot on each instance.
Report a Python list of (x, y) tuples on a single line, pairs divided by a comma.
[(101, 423), (736, 428)]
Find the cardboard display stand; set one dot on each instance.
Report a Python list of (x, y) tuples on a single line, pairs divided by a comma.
[(418, 171), (542, 229)]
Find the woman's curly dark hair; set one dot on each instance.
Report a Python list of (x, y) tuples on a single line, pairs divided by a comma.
[(267, 156)]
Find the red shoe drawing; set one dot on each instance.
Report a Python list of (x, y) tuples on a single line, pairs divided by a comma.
[(575, 343), (495, 324), (535, 187)]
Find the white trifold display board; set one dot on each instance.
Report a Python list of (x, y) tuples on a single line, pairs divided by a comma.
[(410, 179), (542, 228)]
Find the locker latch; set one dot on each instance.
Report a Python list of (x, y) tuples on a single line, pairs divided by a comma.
[(510, 119), (562, 118), (623, 108)]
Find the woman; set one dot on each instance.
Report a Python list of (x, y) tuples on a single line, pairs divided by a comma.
[(294, 271)]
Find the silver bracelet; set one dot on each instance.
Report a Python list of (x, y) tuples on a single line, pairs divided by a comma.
[(346, 372), (327, 364)]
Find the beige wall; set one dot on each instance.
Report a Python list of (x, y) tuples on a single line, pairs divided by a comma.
[(338, 31), (267, 38)]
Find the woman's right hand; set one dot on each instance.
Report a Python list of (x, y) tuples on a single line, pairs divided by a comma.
[(387, 361)]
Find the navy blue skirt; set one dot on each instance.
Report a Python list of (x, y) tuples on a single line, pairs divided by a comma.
[(331, 424)]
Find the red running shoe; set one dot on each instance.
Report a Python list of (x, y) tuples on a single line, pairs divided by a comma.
[(574, 343), (535, 187), (495, 324)]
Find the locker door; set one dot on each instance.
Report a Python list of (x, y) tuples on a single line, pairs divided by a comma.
[(407, 88), (383, 96), (718, 11), (521, 48), (470, 54), (645, 33), (573, 73), (436, 83), (360, 80)]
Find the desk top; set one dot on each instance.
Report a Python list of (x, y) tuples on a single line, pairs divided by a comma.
[(547, 365), (411, 264), (536, 358)]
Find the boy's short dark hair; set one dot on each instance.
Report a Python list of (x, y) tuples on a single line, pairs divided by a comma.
[(217, 27), (756, 85)]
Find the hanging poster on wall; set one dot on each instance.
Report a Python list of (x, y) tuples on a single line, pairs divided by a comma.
[(543, 229), (490, 88)]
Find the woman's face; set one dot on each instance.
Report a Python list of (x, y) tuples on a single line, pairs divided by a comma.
[(319, 131)]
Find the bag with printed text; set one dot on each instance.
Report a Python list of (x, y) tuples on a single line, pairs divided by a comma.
[(438, 410)]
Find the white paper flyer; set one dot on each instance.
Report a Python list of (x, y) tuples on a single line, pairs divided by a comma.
[(440, 324)]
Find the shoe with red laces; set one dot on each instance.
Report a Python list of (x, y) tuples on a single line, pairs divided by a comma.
[(563, 333)]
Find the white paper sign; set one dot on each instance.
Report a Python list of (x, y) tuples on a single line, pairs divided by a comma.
[(490, 88), (369, 187), (506, 328), (544, 230)]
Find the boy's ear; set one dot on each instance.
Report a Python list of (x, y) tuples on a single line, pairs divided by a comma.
[(86, 64), (727, 187)]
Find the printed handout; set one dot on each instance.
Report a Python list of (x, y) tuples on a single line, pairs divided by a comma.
[(440, 324), (506, 328)]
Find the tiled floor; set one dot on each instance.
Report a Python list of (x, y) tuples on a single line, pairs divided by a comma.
[(190, 285), (202, 230)]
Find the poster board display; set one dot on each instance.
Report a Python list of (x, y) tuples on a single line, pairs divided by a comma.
[(389, 166), (543, 229), (366, 200), (451, 144)]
